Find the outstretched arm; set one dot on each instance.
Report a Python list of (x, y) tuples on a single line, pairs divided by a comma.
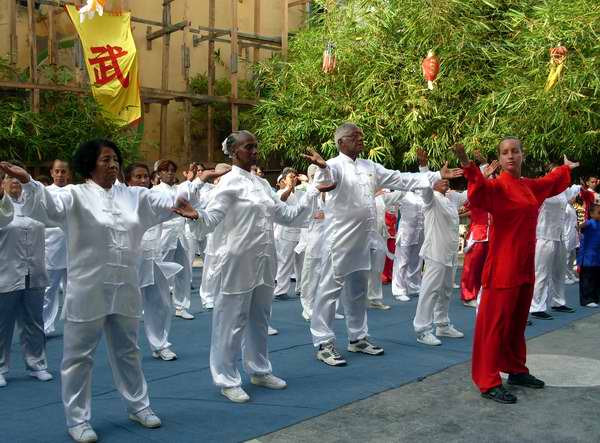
[(480, 190), (552, 183)]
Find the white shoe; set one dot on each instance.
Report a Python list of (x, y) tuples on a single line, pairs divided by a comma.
[(183, 313), (235, 394), (568, 281), (83, 433), (2, 381), (364, 346), (268, 381), (427, 338), (378, 304), (455, 286), (147, 418), (329, 355), (209, 306), (48, 331), (42, 375), (306, 316), (165, 354), (402, 297), (339, 316), (272, 331), (470, 303), (591, 305), (448, 331)]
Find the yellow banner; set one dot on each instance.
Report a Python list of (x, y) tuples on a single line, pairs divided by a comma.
[(112, 63)]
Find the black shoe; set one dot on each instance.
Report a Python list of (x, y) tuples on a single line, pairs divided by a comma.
[(563, 308), (500, 394), (526, 380), (529, 323), (282, 297), (542, 315)]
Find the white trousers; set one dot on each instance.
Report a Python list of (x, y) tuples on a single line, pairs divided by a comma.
[(57, 281), (352, 289), (407, 270), (311, 273), (550, 269), (571, 261), (181, 282), (209, 286), (25, 309), (80, 342), (375, 286), (288, 263), (239, 325), (434, 297), (157, 311)]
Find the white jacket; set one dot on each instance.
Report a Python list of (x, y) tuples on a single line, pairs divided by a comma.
[(552, 215), (56, 244), (6, 211)]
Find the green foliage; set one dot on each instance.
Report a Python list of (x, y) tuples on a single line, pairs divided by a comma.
[(494, 64), (65, 120)]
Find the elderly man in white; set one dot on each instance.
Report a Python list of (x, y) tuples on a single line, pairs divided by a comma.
[(439, 251), (351, 241), (56, 251)]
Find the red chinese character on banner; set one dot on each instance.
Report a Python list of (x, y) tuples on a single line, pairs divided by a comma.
[(108, 63)]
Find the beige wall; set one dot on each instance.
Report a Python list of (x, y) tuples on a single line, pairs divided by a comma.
[(151, 60)]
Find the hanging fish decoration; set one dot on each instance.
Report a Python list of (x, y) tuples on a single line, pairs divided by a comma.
[(558, 56), (431, 67), (329, 59)]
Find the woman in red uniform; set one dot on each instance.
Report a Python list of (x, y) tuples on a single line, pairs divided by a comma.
[(508, 275)]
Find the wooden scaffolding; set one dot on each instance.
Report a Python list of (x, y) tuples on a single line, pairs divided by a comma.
[(197, 35)]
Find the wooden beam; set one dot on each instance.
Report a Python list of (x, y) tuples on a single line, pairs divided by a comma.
[(185, 70), (52, 44), (257, 24), (298, 3), (274, 40), (166, 30), (234, 65), (211, 83), (285, 24), (12, 19), (164, 108), (33, 69), (197, 40)]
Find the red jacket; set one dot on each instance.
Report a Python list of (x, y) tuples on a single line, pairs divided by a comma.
[(513, 204)]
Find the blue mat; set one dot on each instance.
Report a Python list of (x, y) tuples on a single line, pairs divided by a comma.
[(192, 409)]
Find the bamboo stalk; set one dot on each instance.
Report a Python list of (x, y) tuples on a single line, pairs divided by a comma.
[(33, 72), (164, 107)]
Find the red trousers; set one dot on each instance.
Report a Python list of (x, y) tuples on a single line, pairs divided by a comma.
[(470, 282), (386, 275), (499, 342)]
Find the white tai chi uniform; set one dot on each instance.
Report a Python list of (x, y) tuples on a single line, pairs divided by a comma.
[(104, 230), (56, 264), (246, 207), (177, 247), (550, 252), (351, 239), (439, 251), (289, 262), (571, 239), (154, 277), (209, 287), (383, 203), (408, 264), (23, 279)]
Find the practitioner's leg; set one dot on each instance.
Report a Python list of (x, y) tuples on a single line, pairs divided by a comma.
[(31, 326), (9, 302), (52, 298)]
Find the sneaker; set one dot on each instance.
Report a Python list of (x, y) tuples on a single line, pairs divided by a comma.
[(591, 305), (272, 331), (470, 303), (526, 380), (329, 355), (83, 433), (183, 313), (427, 338), (568, 281), (448, 331), (147, 418), (365, 347), (339, 316), (563, 308), (402, 297), (541, 315), (2, 381), (500, 394), (378, 304), (282, 297), (268, 381), (165, 354), (209, 306), (235, 394), (42, 375), (455, 286)]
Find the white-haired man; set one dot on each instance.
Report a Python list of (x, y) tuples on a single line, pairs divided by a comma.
[(349, 253)]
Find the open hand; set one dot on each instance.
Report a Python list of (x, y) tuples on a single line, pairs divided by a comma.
[(15, 171), (315, 158), (569, 163), (422, 156), (491, 168), (479, 157), (185, 209), (448, 173), (459, 151)]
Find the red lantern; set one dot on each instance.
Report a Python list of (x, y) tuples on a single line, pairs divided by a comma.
[(558, 54), (329, 60), (431, 67)]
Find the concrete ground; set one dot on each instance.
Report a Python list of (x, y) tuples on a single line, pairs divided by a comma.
[(445, 407)]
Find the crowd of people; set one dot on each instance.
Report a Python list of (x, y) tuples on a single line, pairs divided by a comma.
[(121, 246)]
